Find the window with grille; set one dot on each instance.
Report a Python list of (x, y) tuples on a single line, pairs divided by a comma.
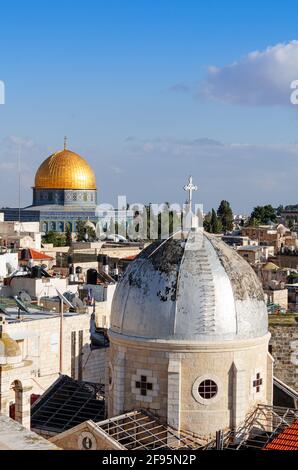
[(207, 389)]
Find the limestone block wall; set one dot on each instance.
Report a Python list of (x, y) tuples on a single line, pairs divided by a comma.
[(284, 349), (138, 362), (39, 341), (85, 436), (234, 369), (166, 378), (15, 387), (95, 366)]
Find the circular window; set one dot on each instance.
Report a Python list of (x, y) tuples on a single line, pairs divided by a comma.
[(207, 389), (86, 441)]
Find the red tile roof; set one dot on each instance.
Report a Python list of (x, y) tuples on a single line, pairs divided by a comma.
[(286, 440), (36, 255), (129, 258)]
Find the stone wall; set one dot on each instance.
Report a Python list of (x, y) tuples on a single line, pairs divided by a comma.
[(94, 369), (284, 349), (166, 377)]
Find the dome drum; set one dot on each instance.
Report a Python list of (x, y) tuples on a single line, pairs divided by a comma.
[(68, 197)]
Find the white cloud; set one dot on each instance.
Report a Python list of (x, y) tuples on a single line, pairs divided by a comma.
[(261, 78), (245, 174)]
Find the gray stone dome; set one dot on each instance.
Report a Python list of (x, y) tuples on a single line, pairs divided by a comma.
[(191, 287)]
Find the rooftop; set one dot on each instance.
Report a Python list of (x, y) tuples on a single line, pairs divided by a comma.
[(286, 440), (14, 436), (11, 311), (264, 427), (66, 404), (140, 430)]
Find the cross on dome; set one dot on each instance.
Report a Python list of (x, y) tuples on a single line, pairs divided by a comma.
[(190, 188)]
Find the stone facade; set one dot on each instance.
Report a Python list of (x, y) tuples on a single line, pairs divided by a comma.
[(85, 436), (284, 349), (39, 365), (166, 378)]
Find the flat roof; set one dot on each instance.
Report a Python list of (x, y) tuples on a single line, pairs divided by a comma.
[(35, 312), (14, 436)]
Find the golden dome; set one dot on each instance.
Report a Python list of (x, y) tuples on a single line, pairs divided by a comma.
[(65, 170)]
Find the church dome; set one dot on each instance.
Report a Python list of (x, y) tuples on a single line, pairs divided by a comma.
[(191, 288), (65, 170)]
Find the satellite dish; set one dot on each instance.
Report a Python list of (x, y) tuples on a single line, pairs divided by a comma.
[(4, 311), (9, 268), (21, 305), (69, 296), (64, 299), (77, 303), (25, 297)]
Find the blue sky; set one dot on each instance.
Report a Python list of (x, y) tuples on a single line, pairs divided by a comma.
[(129, 83)]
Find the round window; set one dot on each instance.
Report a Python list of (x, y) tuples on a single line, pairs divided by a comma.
[(207, 389)]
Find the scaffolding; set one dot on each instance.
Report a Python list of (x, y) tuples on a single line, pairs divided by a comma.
[(260, 428), (140, 430)]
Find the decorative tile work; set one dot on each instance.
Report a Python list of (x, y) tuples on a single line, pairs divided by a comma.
[(144, 385)]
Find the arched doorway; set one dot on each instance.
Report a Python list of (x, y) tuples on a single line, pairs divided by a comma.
[(16, 408)]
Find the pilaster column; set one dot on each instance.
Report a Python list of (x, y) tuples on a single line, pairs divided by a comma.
[(119, 381), (174, 392), (239, 398)]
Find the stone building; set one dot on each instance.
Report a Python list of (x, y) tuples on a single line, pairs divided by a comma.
[(255, 254), (189, 336), (16, 235), (277, 236), (35, 348), (64, 191), (284, 349)]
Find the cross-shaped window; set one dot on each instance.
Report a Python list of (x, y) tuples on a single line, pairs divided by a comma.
[(258, 382), (143, 385)]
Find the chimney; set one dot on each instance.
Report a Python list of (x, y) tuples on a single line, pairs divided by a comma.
[(105, 264)]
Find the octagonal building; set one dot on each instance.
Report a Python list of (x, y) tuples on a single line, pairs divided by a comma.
[(189, 336)]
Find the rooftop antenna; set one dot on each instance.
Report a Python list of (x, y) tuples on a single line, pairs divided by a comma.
[(65, 142), (19, 184)]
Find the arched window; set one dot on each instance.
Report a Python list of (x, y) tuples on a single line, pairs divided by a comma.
[(61, 226)]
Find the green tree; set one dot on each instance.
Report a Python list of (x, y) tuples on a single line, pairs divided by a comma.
[(225, 215), (215, 223), (56, 238), (68, 238), (207, 222), (263, 215), (82, 231), (279, 209)]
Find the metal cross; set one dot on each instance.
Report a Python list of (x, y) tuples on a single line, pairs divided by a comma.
[(190, 187)]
